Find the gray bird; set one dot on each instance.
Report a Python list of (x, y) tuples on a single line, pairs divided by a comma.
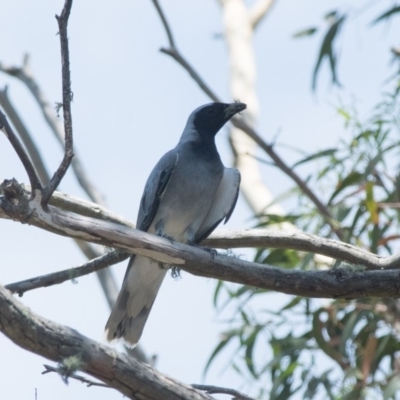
[(188, 193)]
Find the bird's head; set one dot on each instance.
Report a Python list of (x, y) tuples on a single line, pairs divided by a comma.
[(210, 118)]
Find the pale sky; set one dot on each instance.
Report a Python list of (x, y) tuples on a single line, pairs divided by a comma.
[(130, 105)]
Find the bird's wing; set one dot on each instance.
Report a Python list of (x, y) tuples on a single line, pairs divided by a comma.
[(155, 188), (223, 204)]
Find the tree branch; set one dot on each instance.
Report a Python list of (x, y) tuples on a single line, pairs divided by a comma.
[(337, 283), (259, 10), (25, 136), (23, 156), (217, 389), (24, 74), (56, 278), (65, 376), (67, 98), (65, 345)]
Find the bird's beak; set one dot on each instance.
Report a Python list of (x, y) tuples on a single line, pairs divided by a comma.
[(234, 108)]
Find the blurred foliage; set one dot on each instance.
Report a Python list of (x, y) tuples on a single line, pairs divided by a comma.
[(333, 23), (327, 349)]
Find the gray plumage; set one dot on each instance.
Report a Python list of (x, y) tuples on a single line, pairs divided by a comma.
[(188, 193)]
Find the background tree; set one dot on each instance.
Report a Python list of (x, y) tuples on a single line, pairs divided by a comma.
[(145, 120)]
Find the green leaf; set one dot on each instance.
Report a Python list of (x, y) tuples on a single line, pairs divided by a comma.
[(386, 15), (326, 50), (226, 339), (217, 291), (311, 388), (392, 388), (304, 33), (370, 203), (250, 342), (285, 258), (319, 154), (351, 179), (325, 346), (292, 303)]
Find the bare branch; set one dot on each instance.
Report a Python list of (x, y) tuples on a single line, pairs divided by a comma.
[(259, 10), (56, 278), (336, 283), (24, 74), (67, 98), (23, 156), (165, 23), (175, 54), (65, 376), (60, 344), (192, 72), (83, 207), (210, 389), (25, 136)]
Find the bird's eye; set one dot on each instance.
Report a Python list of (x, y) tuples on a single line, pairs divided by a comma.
[(210, 111)]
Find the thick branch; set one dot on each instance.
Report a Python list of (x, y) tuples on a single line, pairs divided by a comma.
[(60, 343), (343, 283), (67, 98)]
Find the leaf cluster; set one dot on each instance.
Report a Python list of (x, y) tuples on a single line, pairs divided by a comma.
[(341, 349)]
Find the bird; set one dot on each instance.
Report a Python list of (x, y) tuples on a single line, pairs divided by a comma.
[(188, 193)]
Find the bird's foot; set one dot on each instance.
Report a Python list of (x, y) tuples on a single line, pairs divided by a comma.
[(210, 250), (163, 235), (176, 272)]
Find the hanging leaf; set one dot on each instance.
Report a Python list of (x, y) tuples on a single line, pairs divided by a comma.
[(371, 204), (319, 154), (351, 179), (392, 388), (386, 15), (327, 50), (250, 342), (304, 33)]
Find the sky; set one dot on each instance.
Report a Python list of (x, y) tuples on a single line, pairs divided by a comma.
[(130, 106)]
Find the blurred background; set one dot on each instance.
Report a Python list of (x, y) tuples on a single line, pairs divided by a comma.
[(130, 105)]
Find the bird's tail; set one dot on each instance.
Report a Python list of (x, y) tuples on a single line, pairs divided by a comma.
[(142, 281)]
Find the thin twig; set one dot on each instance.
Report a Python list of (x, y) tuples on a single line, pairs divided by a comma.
[(67, 98), (23, 156), (210, 389), (25, 75), (65, 377), (56, 278), (26, 137), (165, 23), (241, 124)]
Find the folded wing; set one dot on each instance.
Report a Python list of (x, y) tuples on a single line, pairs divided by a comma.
[(223, 205)]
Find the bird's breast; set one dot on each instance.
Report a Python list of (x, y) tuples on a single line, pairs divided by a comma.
[(187, 198)]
